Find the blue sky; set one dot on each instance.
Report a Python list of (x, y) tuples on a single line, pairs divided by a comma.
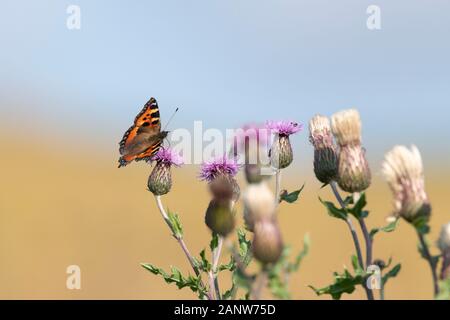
[(227, 63)]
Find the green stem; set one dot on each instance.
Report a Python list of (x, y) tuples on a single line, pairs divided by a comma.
[(349, 222), (180, 242), (429, 258), (277, 186)]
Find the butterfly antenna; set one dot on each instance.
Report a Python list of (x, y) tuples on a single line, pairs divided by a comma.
[(170, 119)]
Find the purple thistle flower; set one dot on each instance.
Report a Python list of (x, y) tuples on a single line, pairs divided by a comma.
[(251, 132), (168, 156), (284, 127), (219, 166)]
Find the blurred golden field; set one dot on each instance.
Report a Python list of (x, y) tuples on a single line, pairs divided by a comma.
[(62, 205)]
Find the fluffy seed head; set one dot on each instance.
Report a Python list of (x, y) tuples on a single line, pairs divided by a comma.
[(320, 134), (259, 203), (346, 126), (353, 171), (403, 171)]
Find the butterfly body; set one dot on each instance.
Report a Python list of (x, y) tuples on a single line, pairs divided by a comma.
[(144, 138)]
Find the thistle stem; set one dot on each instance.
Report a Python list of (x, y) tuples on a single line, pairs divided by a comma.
[(353, 232), (180, 242), (259, 285), (429, 258), (368, 239), (277, 186), (216, 257)]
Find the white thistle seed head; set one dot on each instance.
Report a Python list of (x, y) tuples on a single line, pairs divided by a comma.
[(346, 126), (403, 171)]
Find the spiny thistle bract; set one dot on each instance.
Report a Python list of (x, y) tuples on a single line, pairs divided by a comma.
[(281, 154), (325, 155), (160, 179), (353, 172), (403, 170)]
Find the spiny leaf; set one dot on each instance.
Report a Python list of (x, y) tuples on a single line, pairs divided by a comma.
[(176, 277), (214, 241), (334, 211), (444, 290), (357, 210), (291, 197), (244, 244), (205, 265), (389, 228), (356, 266), (175, 225), (230, 266), (343, 283), (301, 255), (391, 273)]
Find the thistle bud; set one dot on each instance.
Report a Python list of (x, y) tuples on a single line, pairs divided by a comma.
[(403, 171), (259, 204), (219, 218), (267, 242), (444, 246), (353, 171), (160, 179), (252, 141), (325, 156), (281, 155)]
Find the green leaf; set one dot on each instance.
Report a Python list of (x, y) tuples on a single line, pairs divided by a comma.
[(391, 274), (244, 246), (343, 283), (214, 241), (444, 290), (292, 267), (175, 225), (356, 266), (293, 196), (230, 266), (205, 265), (389, 228), (357, 210), (176, 277), (334, 211), (279, 288)]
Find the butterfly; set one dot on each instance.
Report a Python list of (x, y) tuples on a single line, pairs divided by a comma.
[(144, 138)]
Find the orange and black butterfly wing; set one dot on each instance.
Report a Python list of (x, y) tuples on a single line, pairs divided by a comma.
[(146, 120), (149, 152), (137, 140)]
